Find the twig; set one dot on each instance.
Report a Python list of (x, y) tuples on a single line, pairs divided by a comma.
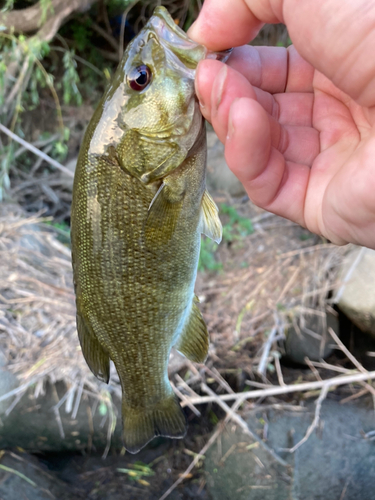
[(348, 354), (185, 399), (300, 251), (277, 390), (198, 457), (238, 420), (19, 474), (17, 390), (312, 368), (59, 422), (342, 496), (36, 151), (279, 371), (208, 445), (78, 400), (348, 275), (266, 349), (315, 422), (357, 395)]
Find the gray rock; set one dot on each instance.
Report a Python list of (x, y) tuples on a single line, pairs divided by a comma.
[(34, 484), (336, 462), (310, 338), (356, 297), (219, 177), (34, 424), (8, 382), (235, 472)]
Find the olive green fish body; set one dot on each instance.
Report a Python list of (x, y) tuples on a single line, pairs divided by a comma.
[(139, 207)]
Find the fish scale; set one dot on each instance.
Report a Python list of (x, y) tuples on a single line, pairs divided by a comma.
[(139, 208)]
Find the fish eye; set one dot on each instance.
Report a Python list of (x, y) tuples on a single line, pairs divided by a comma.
[(139, 77)]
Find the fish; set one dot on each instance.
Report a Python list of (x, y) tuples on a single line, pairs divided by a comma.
[(139, 208)]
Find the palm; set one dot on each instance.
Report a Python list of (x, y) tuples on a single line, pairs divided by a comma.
[(302, 148), (340, 195)]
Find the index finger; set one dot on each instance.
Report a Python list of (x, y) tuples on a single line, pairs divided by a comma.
[(214, 26), (273, 69), (219, 24)]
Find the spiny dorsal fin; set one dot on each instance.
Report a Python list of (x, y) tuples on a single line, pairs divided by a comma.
[(93, 352), (193, 342), (210, 222), (161, 220)]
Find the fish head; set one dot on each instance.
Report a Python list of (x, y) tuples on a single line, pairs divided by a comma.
[(150, 112)]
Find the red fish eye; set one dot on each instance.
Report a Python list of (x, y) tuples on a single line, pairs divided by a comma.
[(139, 77)]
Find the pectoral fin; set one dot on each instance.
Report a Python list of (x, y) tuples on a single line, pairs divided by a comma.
[(162, 218), (193, 342), (95, 356), (210, 222)]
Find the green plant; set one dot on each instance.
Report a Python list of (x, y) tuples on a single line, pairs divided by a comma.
[(137, 472), (70, 79), (207, 260), (236, 228)]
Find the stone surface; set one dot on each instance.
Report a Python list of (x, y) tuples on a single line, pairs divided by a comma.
[(356, 297), (235, 472), (34, 425), (219, 177), (336, 463), (311, 338), (8, 382), (43, 486)]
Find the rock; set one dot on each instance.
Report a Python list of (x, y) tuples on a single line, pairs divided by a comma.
[(356, 297), (236, 472), (335, 462), (219, 177), (34, 484), (34, 425), (8, 382), (311, 338)]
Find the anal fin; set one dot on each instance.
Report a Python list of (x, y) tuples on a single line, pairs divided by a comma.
[(210, 222), (93, 352), (141, 425), (193, 342)]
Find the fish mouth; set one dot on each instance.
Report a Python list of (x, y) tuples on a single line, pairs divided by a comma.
[(175, 40)]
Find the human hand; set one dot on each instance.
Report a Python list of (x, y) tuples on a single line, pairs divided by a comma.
[(298, 127)]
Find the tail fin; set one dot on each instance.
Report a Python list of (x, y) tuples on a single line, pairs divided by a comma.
[(140, 426)]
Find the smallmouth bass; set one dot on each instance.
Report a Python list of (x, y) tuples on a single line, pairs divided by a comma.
[(139, 208)]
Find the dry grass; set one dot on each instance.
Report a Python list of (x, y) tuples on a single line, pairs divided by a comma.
[(247, 310), (37, 305)]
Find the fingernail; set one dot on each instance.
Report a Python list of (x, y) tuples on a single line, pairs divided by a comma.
[(200, 98), (220, 85), (192, 31)]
